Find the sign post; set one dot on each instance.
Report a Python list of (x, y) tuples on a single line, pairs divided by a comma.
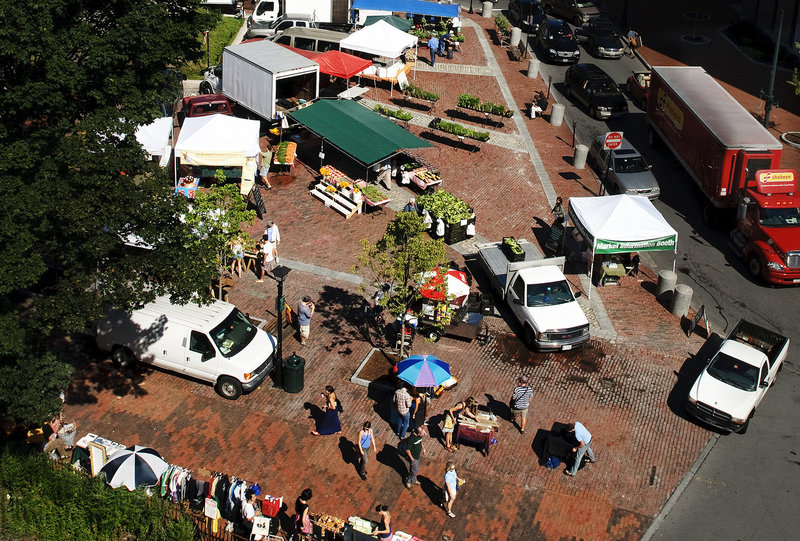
[(613, 139)]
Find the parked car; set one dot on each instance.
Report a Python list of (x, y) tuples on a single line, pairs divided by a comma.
[(527, 14), (596, 90), (280, 24), (557, 42), (311, 39), (624, 169), (575, 11), (639, 87), (203, 105), (600, 38)]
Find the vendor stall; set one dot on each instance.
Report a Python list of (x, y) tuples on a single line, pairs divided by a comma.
[(480, 432), (619, 224), (156, 138), (220, 140), (445, 310), (386, 45), (338, 191)]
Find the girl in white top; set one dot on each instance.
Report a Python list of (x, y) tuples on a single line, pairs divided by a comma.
[(268, 257)]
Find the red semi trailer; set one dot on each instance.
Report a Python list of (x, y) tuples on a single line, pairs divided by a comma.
[(735, 162)]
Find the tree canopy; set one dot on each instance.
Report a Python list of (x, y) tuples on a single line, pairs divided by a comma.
[(77, 78)]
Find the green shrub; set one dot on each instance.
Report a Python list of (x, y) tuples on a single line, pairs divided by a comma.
[(442, 204), (502, 24), (458, 129), (416, 92), (220, 37), (468, 101), (399, 113)]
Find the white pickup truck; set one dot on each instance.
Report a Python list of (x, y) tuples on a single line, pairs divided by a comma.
[(732, 385), (539, 296)]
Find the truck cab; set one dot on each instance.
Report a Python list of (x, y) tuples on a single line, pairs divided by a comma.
[(277, 26), (767, 229), (264, 14)]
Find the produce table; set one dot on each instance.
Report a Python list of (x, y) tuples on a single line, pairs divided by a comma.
[(373, 204), (424, 177), (288, 157), (480, 432)]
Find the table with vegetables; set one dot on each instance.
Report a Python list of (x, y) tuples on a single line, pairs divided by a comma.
[(456, 214), (424, 176)]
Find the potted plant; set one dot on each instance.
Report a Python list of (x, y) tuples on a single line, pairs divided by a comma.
[(512, 249)]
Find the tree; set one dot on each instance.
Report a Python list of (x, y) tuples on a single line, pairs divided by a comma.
[(77, 78), (217, 217), (398, 258), (795, 79)]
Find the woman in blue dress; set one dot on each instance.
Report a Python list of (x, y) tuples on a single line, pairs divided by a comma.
[(329, 423)]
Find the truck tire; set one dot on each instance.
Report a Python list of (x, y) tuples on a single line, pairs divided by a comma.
[(229, 388), (754, 266), (653, 138), (122, 356)]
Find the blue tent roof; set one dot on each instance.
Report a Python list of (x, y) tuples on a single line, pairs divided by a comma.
[(417, 7)]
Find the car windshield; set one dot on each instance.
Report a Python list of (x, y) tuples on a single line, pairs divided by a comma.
[(630, 165), (604, 32), (233, 334), (604, 88), (549, 294), (784, 217), (734, 372), (584, 4)]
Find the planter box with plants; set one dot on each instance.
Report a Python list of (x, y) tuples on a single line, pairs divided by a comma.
[(414, 91), (512, 249), (456, 214), (399, 114), (459, 130), (468, 101)]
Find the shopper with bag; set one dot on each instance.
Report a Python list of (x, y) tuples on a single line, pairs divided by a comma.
[(451, 485)]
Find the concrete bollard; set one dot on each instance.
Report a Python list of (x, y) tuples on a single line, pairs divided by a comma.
[(557, 114), (533, 68), (487, 10), (579, 159), (681, 300), (516, 36), (666, 284)]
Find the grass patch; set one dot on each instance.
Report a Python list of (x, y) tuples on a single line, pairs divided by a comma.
[(220, 37)]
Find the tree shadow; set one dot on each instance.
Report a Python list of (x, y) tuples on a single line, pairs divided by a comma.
[(340, 312)]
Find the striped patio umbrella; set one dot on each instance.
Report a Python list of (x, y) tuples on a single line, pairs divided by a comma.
[(423, 371), (133, 467)]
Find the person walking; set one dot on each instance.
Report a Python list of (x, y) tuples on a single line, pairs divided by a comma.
[(420, 408), (384, 529), (305, 309), (238, 256), (329, 422), (302, 517), (263, 171), (273, 233), (634, 41), (366, 443), (451, 484), (520, 401), (433, 45), (401, 402), (268, 256), (584, 447), (414, 450), (558, 211)]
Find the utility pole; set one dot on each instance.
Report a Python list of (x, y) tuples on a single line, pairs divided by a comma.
[(769, 99)]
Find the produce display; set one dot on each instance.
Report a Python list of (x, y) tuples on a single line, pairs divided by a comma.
[(328, 522), (410, 166), (398, 114), (284, 155), (442, 204), (458, 129), (429, 176), (373, 194), (513, 246)]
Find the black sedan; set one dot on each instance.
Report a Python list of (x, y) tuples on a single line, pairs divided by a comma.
[(600, 39), (557, 42)]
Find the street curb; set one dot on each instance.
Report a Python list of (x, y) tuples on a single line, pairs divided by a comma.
[(675, 496)]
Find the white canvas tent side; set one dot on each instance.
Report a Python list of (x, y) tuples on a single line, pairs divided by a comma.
[(220, 140), (621, 223), (381, 39), (155, 138)]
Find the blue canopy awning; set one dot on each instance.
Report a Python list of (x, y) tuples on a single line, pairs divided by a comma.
[(417, 7)]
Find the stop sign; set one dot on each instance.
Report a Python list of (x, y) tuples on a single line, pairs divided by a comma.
[(613, 140)]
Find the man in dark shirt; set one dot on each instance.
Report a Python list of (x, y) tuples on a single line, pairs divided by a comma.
[(414, 450)]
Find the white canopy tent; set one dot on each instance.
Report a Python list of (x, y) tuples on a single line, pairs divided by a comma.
[(381, 39), (220, 140), (621, 223), (155, 138)]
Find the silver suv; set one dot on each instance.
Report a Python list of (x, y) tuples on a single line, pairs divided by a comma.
[(624, 169)]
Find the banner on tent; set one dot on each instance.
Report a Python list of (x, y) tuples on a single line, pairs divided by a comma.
[(650, 245)]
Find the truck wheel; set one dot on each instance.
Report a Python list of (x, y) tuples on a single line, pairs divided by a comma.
[(123, 357), (205, 88), (709, 214), (754, 266), (434, 335), (229, 388), (653, 138), (528, 335)]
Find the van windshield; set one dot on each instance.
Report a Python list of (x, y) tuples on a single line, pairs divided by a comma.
[(233, 334)]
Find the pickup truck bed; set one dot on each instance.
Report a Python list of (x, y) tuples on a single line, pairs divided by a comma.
[(495, 259), (755, 336)]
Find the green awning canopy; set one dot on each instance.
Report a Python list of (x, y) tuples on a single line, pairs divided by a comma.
[(397, 22), (363, 134)]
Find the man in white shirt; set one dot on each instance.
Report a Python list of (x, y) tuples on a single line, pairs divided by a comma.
[(584, 447), (272, 233)]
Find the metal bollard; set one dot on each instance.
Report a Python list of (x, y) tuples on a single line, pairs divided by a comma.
[(681, 300), (557, 114), (533, 68), (579, 160), (487, 10), (516, 36), (666, 285)]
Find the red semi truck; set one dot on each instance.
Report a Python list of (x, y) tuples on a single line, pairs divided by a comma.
[(735, 162)]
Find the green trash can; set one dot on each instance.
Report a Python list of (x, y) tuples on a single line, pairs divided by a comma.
[(293, 370)]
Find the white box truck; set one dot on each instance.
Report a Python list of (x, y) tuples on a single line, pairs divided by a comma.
[(265, 78), (336, 13), (215, 343)]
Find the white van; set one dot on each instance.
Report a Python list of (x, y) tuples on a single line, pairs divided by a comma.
[(215, 343)]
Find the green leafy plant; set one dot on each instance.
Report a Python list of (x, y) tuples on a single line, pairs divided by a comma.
[(502, 24), (372, 193), (468, 101), (512, 244), (459, 130), (442, 204), (394, 113), (416, 92), (410, 166)]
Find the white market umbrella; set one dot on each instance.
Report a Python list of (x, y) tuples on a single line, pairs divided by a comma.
[(134, 467)]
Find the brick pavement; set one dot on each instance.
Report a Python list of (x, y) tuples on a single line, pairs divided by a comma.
[(621, 389)]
